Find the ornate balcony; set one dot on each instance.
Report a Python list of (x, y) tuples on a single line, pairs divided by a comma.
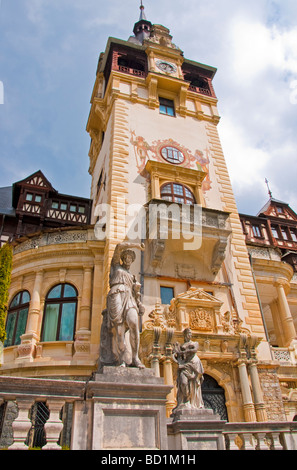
[(192, 230)]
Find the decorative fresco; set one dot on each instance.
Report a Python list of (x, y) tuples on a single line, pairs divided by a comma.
[(144, 151)]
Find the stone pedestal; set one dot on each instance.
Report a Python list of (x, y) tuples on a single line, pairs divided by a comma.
[(125, 408), (195, 429)]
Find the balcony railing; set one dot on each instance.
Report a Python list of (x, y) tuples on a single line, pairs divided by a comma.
[(130, 71), (203, 91), (284, 355)]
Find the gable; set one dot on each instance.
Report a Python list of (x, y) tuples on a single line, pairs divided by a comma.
[(37, 180), (199, 296), (279, 209)]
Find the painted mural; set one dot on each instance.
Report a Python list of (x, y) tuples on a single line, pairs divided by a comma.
[(158, 150)]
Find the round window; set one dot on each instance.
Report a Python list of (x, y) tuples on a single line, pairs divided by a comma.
[(172, 155)]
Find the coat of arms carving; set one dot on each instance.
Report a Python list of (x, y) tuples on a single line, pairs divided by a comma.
[(201, 319)]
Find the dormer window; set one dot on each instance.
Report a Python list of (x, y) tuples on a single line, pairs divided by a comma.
[(279, 209), (30, 197)]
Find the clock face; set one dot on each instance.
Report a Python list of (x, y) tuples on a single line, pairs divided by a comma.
[(166, 67)]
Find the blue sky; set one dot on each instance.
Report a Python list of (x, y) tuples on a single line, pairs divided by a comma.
[(49, 53)]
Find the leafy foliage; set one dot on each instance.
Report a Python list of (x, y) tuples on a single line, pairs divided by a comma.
[(5, 276)]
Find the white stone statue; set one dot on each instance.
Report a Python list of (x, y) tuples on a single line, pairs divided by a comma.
[(123, 308), (189, 375)]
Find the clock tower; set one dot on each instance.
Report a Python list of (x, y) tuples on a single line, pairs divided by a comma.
[(155, 149)]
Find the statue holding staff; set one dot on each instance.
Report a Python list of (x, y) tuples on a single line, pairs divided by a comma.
[(123, 308)]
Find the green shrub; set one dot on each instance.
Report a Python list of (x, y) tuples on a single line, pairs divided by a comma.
[(5, 276)]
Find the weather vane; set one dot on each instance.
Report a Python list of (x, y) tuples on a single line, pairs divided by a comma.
[(269, 191)]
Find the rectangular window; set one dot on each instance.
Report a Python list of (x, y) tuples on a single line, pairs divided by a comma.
[(10, 325), (293, 235), (21, 325), (67, 322), (29, 197), (72, 208), (167, 294), (37, 198), (63, 206), (55, 205), (274, 231), (51, 322), (166, 107), (284, 234), (257, 231)]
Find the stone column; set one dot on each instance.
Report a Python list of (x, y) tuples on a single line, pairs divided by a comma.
[(53, 427), (21, 425), (286, 316), (155, 356), (257, 392), (278, 330), (26, 350), (248, 405), (83, 333), (168, 372)]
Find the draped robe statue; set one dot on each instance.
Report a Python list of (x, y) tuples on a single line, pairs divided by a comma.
[(190, 374), (123, 308)]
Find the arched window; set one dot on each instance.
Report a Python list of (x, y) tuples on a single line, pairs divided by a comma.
[(60, 314), (17, 318), (176, 192)]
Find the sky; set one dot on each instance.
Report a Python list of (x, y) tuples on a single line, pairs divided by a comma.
[(49, 51)]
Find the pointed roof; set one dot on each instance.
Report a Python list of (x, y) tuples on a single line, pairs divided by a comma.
[(142, 14), (36, 180), (270, 209), (142, 28)]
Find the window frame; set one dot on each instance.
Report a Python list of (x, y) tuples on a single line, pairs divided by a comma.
[(257, 232), (165, 106), (175, 195), (61, 300), (16, 310), (169, 159), (166, 287)]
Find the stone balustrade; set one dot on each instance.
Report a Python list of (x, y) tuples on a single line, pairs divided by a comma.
[(24, 392), (261, 436)]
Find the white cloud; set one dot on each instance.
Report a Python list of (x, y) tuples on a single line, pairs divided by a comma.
[(246, 163), (258, 47), (50, 52)]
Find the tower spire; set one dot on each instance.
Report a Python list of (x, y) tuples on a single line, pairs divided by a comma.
[(142, 14), (142, 28), (269, 191)]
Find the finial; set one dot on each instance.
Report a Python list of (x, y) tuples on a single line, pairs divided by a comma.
[(142, 14), (269, 191)]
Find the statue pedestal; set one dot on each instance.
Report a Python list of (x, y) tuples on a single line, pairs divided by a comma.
[(195, 429), (124, 409)]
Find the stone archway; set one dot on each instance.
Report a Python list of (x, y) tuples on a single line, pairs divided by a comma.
[(214, 397)]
